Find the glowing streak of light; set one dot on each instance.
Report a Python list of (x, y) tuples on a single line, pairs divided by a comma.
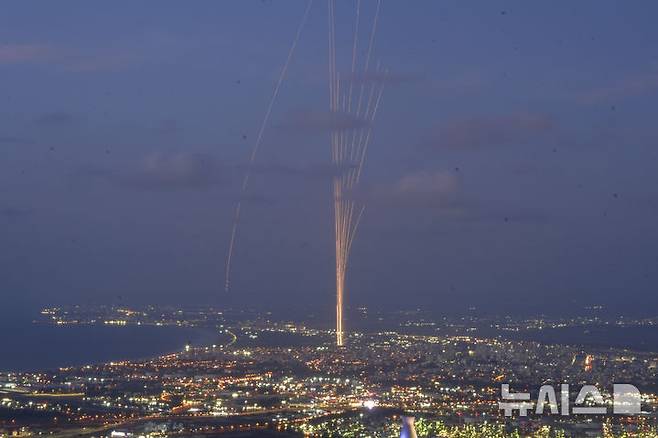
[(354, 46), (358, 147), (348, 149), (373, 32), (367, 140), (259, 139)]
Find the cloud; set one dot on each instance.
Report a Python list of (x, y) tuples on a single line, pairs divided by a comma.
[(118, 55), (439, 195), (421, 189), (199, 171), (24, 53), (313, 121), (479, 132), (162, 172), (634, 85), (426, 183)]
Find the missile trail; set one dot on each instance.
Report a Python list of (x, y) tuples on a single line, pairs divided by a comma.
[(348, 149), (354, 46), (259, 139)]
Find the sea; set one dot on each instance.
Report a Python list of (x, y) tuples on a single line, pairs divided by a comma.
[(28, 346), (636, 338)]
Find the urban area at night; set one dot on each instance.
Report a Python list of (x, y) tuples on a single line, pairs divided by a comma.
[(259, 374)]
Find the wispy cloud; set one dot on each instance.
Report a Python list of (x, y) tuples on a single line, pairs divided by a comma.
[(149, 47), (439, 195), (24, 53), (476, 132), (632, 85), (162, 172), (422, 189), (426, 183)]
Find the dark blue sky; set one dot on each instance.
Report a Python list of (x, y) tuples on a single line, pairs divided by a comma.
[(513, 164)]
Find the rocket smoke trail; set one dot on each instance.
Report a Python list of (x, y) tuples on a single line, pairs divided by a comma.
[(259, 139), (348, 150)]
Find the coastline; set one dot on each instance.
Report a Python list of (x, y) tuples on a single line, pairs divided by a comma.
[(37, 346)]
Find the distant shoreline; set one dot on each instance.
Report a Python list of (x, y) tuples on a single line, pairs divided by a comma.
[(39, 346)]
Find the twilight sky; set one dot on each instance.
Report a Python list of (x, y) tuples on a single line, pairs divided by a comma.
[(513, 164)]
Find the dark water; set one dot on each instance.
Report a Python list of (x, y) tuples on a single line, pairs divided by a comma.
[(27, 346), (644, 338)]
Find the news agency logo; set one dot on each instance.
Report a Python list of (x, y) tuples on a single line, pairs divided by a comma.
[(626, 400)]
